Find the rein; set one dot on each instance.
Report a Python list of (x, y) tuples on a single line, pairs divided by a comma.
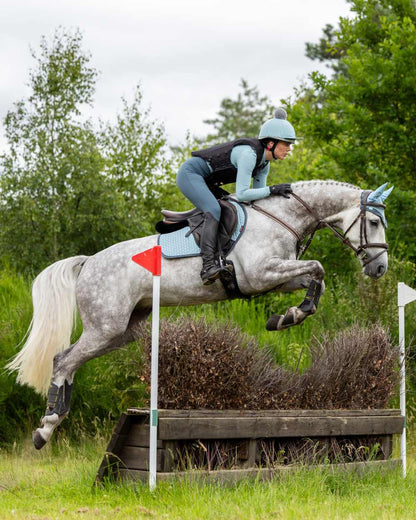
[(359, 251)]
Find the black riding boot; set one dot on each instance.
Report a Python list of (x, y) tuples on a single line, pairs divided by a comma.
[(208, 244)]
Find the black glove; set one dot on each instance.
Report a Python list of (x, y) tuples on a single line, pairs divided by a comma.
[(283, 190)]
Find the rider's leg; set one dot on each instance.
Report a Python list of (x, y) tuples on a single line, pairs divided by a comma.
[(210, 267), (191, 182)]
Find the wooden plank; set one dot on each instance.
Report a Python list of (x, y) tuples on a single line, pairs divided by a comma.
[(387, 446), (266, 413), (252, 454), (138, 435), (266, 427), (234, 475), (169, 455), (133, 457), (109, 465)]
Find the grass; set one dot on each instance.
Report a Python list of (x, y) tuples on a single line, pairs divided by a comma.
[(57, 483)]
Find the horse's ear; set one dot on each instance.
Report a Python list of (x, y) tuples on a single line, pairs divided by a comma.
[(380, 194), (386, 193)]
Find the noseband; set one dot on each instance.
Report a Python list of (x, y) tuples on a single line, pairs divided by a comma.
[(359, 251)]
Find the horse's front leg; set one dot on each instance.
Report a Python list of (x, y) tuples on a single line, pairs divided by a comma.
[(295, 315), (292, 275)]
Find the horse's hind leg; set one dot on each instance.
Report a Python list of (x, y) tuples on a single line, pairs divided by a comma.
[(89, 346)]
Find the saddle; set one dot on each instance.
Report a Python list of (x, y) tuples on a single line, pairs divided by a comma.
[(194, 218)]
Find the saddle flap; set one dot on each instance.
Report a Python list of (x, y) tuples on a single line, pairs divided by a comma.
[(184, 242), (229, 219)]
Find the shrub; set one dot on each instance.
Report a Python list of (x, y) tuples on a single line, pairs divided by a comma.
[(218, 367)]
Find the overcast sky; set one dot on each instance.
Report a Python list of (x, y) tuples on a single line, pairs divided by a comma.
[(187, 55)]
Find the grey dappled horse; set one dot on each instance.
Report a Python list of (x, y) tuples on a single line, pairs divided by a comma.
[(113, 294)]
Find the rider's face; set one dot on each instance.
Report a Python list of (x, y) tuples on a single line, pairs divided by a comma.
[(281, 151)]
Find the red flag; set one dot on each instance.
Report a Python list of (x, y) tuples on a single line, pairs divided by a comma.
[(151, 259)]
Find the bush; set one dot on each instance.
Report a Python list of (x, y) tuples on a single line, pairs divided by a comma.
[(218, 367)]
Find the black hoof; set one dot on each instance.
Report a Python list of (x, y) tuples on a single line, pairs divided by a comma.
[(38, 440), (280, 322), (273, 322)]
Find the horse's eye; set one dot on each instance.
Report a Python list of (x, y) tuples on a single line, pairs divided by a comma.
[(374, 222)]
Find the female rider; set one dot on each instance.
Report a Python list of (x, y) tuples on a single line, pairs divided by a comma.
[(238, 161)]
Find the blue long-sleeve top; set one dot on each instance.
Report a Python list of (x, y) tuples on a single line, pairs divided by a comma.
[(243, 157)]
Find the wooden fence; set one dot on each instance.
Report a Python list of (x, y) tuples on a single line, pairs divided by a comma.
[(233, 444)]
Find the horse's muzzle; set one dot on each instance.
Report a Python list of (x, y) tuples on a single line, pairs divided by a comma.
[(376, 268)]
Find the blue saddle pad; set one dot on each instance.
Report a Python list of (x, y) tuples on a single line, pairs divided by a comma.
[(179, 244)]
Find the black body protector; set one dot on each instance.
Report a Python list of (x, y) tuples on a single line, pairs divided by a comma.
[(219, 159)]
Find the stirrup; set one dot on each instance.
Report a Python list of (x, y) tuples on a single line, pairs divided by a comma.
[(210, 274)]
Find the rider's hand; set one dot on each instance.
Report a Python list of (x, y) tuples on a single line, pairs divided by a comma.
[(283, 190)]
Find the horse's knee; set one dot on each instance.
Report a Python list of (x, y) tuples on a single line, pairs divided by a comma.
[(317, 271)]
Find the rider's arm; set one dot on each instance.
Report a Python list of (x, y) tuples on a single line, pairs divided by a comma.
[(244, 159)]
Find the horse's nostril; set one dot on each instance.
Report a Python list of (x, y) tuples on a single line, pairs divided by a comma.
[(381, 269)]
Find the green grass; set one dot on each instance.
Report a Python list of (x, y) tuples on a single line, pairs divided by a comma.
[(57, 483)]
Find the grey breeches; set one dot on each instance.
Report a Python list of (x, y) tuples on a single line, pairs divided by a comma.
[(191, 182)]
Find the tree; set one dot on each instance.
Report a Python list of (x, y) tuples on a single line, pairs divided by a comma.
[(137, 162), (327, 50), (241, 117), (362, 120), (65, 187)]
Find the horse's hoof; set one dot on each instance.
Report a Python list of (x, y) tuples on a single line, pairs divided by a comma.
[(273, 322), (280, 322), (38, 440)]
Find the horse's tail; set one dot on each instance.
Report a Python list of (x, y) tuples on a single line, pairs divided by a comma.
[(54, 317)]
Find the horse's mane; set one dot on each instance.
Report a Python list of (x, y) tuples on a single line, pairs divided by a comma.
[(299, 184)]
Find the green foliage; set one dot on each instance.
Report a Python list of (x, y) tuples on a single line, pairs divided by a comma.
[(327, 50), (360, 122), (364, 118), (134, 151), (18, 405), (241, 117), (66, 188)]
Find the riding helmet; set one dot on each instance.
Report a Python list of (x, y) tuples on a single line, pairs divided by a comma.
[(278, 128)]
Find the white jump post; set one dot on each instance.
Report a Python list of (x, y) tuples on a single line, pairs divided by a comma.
[(151, 260), (405, 295)]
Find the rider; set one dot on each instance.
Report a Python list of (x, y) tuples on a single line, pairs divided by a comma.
[(238, 161)]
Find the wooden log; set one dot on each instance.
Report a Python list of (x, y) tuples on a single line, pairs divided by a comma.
[(175, 428), (203, 412), (134, 457), (234, 475), (138, 435), (128, 447)]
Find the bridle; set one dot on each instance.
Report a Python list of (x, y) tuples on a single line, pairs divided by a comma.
[(360, 251)]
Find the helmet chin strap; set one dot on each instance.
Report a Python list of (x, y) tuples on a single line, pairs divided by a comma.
[(272, 149)]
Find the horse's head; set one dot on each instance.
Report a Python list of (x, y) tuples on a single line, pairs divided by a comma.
[(364, 230)]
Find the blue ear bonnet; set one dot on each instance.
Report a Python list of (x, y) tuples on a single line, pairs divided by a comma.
[(377, 197)]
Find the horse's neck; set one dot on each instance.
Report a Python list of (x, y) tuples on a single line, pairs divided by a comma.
[(326, 198)]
